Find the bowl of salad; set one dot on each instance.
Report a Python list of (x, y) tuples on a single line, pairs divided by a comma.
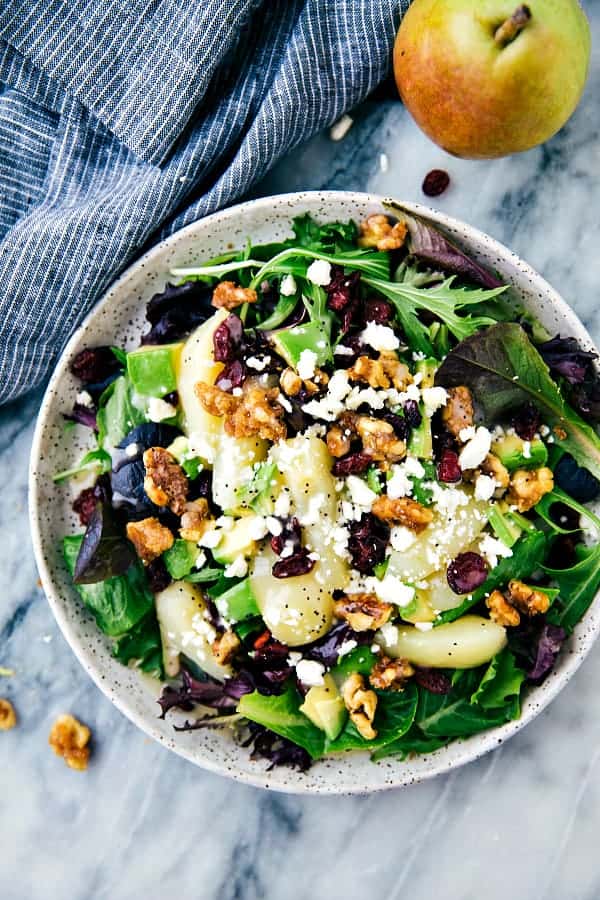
[(312, 493)]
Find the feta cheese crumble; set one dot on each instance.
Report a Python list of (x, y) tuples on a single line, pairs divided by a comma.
[(380, 337), (84, 398), (360, 492), (288, 286), (237, 569), (391, 590), (306, 364), (433, 399), (310, 672), (476, 449), (319, 272), (159, 409), (492, 549), (485, 486)]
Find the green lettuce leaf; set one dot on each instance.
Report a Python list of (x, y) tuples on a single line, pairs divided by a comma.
[(142, 646), (282, 715), (501, 682), (454, 715)]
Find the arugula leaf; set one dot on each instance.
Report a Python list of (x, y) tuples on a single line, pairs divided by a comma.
[(557, 495), (454, 715), (143, 646), (394, 715), (501, 682), (333, 237), (527, 556), (117, 414), (118, 603), (204, 575), (96, 460), (504, 370), (414, 741), (284, 308), (282, 715), (578, 587)]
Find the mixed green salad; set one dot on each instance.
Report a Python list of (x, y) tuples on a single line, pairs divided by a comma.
[(337, 496)]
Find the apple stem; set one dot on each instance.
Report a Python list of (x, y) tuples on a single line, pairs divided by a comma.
[(509, 29)]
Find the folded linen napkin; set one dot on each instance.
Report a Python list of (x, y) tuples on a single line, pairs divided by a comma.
[(123, 120)]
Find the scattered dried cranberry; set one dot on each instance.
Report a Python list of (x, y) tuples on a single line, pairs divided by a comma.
[(433, 680), (448, 468), (291, 535), (85, 504), (367, 543), (527, 421), (352, 464), (467, 572), (378, 310), (435, 183), (227, 338), (342, 290), (157, 575), (398, 423), (298, 564), (95, 364), (412, 413), (233, 376)]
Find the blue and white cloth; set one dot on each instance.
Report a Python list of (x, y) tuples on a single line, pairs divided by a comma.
[(123, 120)]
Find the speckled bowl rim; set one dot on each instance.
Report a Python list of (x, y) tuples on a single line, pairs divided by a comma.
[(442, 761)]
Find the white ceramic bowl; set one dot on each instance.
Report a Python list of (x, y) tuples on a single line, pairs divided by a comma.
[(119, 318)]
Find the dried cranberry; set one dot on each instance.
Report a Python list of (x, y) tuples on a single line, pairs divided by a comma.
[(227, 338), (448, 468), (527, 421), (352, 464), (157, 575), (435, 183), (85, 504), (95, 364), (298, 564), (172, 398), (467, 572), (342, 290), (367, 543), (433, 680), (378, 310), (398, 423), (412, 413), (233, 376), (291, 536)]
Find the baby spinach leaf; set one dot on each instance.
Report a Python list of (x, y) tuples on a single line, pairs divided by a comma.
[(181, 558), (414, 741), (117, 414), (578, 587), (504, 370), (527, 556), (282, 715), (117, 603), (501, 682), (142, 645), (453, 715), (393, 717)]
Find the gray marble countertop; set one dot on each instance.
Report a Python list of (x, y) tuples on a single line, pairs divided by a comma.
[(142, 823)]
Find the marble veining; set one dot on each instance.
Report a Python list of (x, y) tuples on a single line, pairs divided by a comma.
[(522, 822)]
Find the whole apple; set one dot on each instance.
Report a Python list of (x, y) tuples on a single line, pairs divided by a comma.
[(485, 78)]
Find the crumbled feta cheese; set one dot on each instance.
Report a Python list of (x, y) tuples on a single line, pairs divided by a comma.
[(485, 486), (347, 647), (283, 401), (237, 569), (132, 449), (340, 350), (399, 484), (433, 399), (340, 129), (319, 272), (391, 590), (360, 492), (544, 430), (159, 409), (375, 648), (225, 522), (288, 550), (84, 398), (306, 364), (288, 286), (527, 449), (211, 539), (465, 434), (369, 396), (258, 528), (274, 525), (412, 466), (401, 538), (380, 337), (237, 392), (491, 548), (293, 658), (332, 404), (423, 626), (310, 672), (200, 560), (476, 449), (281, 507), (389, 633), (257, 363)]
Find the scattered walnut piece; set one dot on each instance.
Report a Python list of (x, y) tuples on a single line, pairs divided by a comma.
[(377, 231), (361, 704), (498, 471), (362, 612), (527, 487), (370, 371), (527, 599), (166, 483), (216, 401), (338, 441), (70, 739), (8, 716), (225, 647), (458, 411), (501, 611), (398, 372), (290, 382), (228, 295), (195, 520), (150, 538), (402, 511), (379, 440), (258, 414), (390, 674), (560, 432)]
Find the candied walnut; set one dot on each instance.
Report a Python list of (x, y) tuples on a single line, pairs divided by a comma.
[(70, 739), (501, 611), (458, 411), (150, 538), (166, 483), (225, 647), (560, 433), (377, 231), (8, 716), (527, 487), (494, 467), (229, 295), (362, 612), (402, 511), (390, 674), (398, 372), (527, 599), (379, 440), (258, 414), (361, 705), (370, 371), (290, 382), (195, 520), (338, 442), (214, 400)]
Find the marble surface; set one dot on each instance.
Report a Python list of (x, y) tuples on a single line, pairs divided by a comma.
[(142, 823)]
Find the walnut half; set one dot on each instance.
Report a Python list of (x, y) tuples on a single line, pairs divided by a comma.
[(402, 511), (362, 612), (377, 231), (8, 716), (70, 739), (361, 705), (390, 674), (527, 487), (166, 483), (150, 538)]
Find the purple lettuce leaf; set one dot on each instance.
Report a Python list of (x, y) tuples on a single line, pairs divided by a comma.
[(565, 356), (278, 750), (215, 694)]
